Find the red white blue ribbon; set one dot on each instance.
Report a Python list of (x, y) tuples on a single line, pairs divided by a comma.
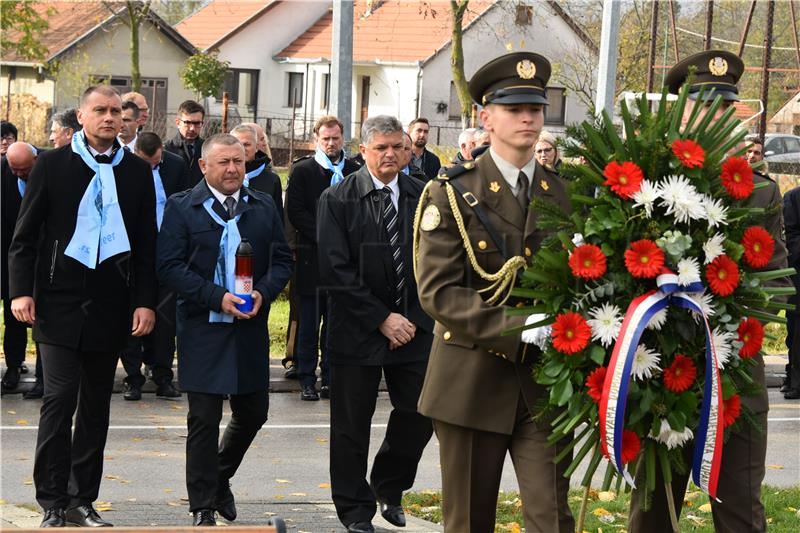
[(708, 439)]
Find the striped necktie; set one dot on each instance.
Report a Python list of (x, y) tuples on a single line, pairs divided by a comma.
[(390, 219)]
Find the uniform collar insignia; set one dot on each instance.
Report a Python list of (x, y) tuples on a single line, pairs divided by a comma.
[(494, 187)]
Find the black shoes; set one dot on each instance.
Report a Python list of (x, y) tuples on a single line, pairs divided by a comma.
[(53, 518), (786, 384), (393, 514), (792, 394), (309, 394), (204, 517), (291, 371), (325, 392), (132, 393), (360, 527), (226, 505), (35, 393), (84, 516), (11, 378), (167, 391)]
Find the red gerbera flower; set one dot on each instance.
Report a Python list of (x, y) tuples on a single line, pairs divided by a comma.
[(630, 446), (595, 381), (751, 333), (624, 179), (587, 261), (570, 333), (737, 177), (644, 259), (731, 409), (680, 375), (690, 154), (758, 246), (723, 275)]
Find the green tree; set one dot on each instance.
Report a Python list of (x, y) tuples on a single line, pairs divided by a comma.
[(21, 28), (134, 14), (204, 73)]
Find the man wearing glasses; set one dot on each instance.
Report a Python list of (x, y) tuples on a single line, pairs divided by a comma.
[(188, 143)]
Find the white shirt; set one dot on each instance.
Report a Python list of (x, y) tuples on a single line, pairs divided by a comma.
[(95, 153), (395, 196), (221, 197), (510, 171), (131, 145)]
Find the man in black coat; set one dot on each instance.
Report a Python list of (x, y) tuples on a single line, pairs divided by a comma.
[(157, 349), (791, 221), (222, 350), (76, 284), (309, 177), (16, 167), (258, 170), (187, 143), (376, 326), (422, 158)]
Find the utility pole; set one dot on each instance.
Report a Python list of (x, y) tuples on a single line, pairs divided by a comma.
[(342, 64), (767, 57), (607, 71)]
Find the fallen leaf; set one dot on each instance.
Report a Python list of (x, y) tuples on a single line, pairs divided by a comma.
[(600, 512), (11, 412), (177, 407), (705, 508), (112, 477), (280, 497), (103, 506), (28, 481), (136, 439), (174, 504), (282, 481), (22, 422), (298, 494), (131, 500), (606, 496), (775, 467), (324, 485), (162, 455), (269, 514), (2, 502), (791, 509), (321, 440), (168, 491)]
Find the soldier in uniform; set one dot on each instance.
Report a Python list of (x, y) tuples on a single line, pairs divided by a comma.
[(739, 508), (473, 234)]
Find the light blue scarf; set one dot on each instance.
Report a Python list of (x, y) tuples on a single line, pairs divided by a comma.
[(405, 170), (253, 174), (324, 161), (225, 271), (21, 186), (161, 196), (99, 227)]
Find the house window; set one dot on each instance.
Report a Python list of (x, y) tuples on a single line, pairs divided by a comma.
[(524, 15), (241, 86), (325, 96), (554, 113), (454, 107), (295, 92)]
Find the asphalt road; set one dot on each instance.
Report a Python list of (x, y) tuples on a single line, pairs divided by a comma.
[(287, 462)]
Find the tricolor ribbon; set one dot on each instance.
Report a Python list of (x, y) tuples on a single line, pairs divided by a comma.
[(708, 439)]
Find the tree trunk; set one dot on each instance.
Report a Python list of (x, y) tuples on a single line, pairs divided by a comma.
[(137, 12), (458, 8)]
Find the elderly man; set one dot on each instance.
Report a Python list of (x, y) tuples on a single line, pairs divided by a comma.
[(262, 142), (129, 129), (222, 350), (16, 167), (376, 328), (76, 272), (466, 143), (141, 104), (63, 126), (258, 171)]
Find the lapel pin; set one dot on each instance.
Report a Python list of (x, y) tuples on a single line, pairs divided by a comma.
[(494, 187), (544, 185)]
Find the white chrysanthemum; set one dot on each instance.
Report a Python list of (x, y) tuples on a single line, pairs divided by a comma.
[(688, 271), (722, 345), (681, 199), (645, 362), (716, 212), (713, 248), (646, 197), (705, 301), (671, 438), (605, 322), (658, 320)]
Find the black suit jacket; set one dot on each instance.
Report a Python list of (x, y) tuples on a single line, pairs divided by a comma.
[(267, 181), (78, 307), (307, 181), (174, 173), (178, 145), (430, 164), (10, 201), (357, 270), (791, 221)]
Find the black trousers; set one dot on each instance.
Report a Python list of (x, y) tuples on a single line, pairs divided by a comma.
[(354, 391), (210, 463), (15, 336), (793, 344), (69, 465), (156, 349)]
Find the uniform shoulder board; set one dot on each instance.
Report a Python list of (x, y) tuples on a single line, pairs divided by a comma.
[(448, 173), (301, 158)]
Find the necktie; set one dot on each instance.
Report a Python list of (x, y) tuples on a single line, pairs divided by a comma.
[(522, 191), (190, 149), (230, 206), (390, 219), (102, 159), (126, 148)]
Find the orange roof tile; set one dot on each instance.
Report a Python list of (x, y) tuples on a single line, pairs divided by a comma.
[(69, 21), (743, 110), (217, 20), (399, 31)]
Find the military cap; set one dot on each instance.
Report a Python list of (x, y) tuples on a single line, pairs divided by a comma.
[(716, 69), (516, 78)]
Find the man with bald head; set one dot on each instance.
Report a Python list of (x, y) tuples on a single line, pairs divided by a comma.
[(141, 104), (16, 167)]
